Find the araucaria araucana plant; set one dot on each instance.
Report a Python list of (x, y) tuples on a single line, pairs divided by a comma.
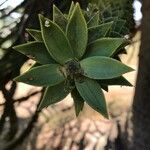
[(74, 56)]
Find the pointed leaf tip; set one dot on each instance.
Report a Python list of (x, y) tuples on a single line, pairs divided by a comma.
[(36, 34), (35, 50), (77, 31), (104, 47), (99, 67), (59, 18), (53, 94), (94, 21), (99, 31), (78, 101), (71, 9), (56, 41), (92, 93), (45, 75)]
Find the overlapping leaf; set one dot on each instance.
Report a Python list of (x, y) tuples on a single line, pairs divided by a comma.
[(104, 47), (36, 34), (94, 21), (54, 94), (78, 101), (116, 81), (77, 32), (59, 18), (98, 67), (66, 40), (45, 75), (92, 93), (71, 9), (36, 51), (99, 31), (55, 41)]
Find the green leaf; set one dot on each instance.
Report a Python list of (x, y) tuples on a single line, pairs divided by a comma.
[(115, 34), (77, 32), (53, 94), (125, 31), (99, 67), (94, 21), (119, 24), (104, 47), (97, 32), (92, 93), (59, 18), (78, 101), (36, 51), (116, 81), (55, 41), (71, 9), (36, 34), (46, 75)]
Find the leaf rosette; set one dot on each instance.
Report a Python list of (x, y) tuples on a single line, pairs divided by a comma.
[(74, 56)]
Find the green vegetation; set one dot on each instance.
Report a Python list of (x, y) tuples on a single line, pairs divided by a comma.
[(76, 53)]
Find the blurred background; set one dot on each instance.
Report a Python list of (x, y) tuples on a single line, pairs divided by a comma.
[(22, 127)]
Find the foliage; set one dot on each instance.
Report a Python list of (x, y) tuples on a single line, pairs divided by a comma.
[(75, 52), (119, 10)]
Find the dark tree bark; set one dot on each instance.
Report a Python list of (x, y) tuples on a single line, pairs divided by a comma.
[(141, 103)]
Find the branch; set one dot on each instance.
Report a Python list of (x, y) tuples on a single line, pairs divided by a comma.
[(19, 100), (19, 140)]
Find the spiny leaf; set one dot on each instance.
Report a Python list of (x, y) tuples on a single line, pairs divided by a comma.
[(46, 75), (36, 51), (104, 47), (94, 21), (78, 101), (55, 41), (53, 94), (97, 32), (59, 18), (77, 32), (99, 67), (92, 93), (36, 34)]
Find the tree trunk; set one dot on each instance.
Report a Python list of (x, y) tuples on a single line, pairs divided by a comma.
[(141, 103)]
